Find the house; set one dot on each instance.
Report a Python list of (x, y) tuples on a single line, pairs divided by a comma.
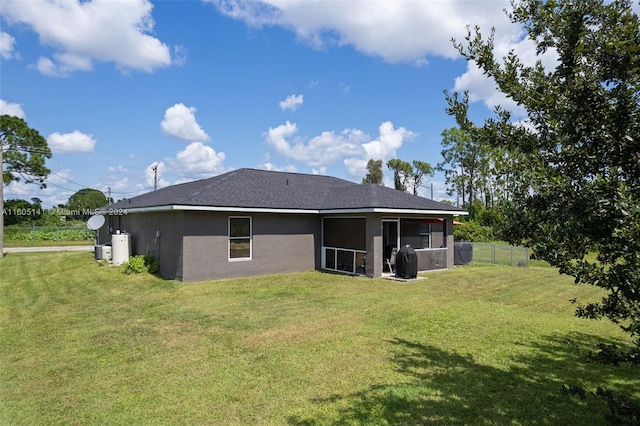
[(255, 222)]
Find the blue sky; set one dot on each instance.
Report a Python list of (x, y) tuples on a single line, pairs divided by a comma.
[(204, 87)]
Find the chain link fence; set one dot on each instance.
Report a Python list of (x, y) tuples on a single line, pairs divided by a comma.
[(496, 254)]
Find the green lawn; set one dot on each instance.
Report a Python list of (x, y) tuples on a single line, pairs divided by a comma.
[(84, 344)]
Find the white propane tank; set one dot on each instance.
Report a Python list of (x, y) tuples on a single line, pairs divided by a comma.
[(120, 248)]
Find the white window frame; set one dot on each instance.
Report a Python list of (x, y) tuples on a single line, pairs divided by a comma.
[(229, 238)]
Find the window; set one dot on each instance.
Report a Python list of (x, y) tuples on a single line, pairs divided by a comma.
[(240, 234), (425, 235)]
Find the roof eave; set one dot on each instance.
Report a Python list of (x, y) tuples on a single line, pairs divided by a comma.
[(178, 207), (395, 211), (174, 207)]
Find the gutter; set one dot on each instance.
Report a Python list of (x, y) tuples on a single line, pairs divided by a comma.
[(166, 208)]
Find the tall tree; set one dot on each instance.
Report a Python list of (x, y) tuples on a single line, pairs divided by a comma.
[(374, 172), (581, 144), (421, 169), (23, 152), (454, 174), (401, 173), (466, 161), (85, 200)]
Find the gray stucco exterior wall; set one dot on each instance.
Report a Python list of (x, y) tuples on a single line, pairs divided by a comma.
[(374, 246), (154, 233), (194, 245), (281, 243), (448, 229)]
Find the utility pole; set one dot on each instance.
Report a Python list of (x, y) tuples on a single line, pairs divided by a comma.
[(109, 195), (155, 176)]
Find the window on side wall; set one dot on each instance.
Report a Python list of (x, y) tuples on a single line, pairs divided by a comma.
[(240, 238), (425, 235)]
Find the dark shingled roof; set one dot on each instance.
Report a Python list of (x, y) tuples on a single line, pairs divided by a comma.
[(251, 188), (377, 196)]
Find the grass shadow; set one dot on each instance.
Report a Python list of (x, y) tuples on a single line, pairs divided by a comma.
[(448, 388)]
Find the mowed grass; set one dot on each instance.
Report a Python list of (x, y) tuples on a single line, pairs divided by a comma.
[(85, 344), (39, 243)]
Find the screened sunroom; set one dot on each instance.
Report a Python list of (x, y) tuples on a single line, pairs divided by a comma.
[(344, 244), (427, 236), (349, 243)]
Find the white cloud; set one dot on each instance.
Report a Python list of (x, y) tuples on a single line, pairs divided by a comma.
[(179, 55), (292, 102), (383, 148), (352, 146), (321, 150), (180, 122), (71, 142), (357, 166), (125, 183), (6, 45), (277, 137), (64, 66), (272, 167), (401, 31), (117, 169), (47, 67), (388, 141), (10, 108), (85, 31), (268, 165), (123, 187), (199, 161), (54, 194)]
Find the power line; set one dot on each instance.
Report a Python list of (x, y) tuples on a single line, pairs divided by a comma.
[(68, 180), (61, 187), (177, 172), (109, 160)]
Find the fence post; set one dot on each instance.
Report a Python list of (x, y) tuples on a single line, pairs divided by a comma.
[(511, 258), (493, 254)]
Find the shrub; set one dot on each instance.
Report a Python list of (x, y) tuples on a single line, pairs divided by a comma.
[(43, 233), (135, 265), (139, 264), (152, 264), (473, 231)]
